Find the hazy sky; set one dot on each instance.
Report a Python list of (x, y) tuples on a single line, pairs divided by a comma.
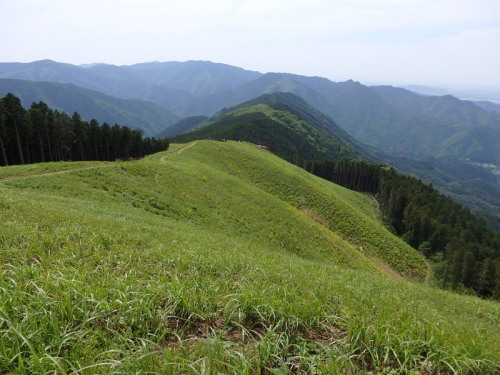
[(432, 42)]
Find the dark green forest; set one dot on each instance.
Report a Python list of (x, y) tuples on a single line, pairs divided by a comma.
[(260, 128), (40, 134), (464, 251)]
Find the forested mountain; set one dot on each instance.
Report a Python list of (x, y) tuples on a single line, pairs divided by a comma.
[(199, 78), (468, 184), (283, 122), (150, 118), (392, 119), (40, 134), (268, 83), (182, 126)]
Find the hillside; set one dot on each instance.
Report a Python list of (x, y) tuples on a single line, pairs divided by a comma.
[(284, 122), (217, 257), (136, 114), (471, 185)]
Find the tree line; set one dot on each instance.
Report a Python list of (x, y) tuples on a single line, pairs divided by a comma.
[(464, 251), (40, 134)]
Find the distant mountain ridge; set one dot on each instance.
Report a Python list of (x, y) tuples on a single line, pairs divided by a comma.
[(167, 84), (393, 119), (136, 114)]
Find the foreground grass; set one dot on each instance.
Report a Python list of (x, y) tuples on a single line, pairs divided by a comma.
[(177, 267)]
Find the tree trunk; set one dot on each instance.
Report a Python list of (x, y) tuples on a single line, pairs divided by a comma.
[(42, 151), (18, 141), (4, 155)]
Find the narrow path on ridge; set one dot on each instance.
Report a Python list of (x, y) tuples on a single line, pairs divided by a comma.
[(10, 178), (178, 151)]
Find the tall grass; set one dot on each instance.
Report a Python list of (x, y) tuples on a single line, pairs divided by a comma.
[(178, 267)]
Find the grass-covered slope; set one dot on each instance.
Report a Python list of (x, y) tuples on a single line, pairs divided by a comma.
[(217, 258)]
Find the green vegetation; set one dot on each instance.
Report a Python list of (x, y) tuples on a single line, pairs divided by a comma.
[(283, 122), (393, 119), (40, 135), (466, 253), (218, 258), (145, 116), (470, 185)]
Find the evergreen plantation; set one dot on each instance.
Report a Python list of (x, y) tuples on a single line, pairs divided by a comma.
[(40, 134), (464, 251)]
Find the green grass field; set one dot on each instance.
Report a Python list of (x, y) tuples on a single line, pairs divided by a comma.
[(219, 259)]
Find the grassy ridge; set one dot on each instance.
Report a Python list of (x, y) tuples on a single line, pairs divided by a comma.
[(202, 263), (344, 212)]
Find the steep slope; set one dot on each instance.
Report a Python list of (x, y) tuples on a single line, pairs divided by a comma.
[(488, 106), (479, 144), (149, 117), (285, 122), (217, 256)]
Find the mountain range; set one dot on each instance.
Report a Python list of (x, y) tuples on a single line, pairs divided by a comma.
[(432, 137), (392, 119)]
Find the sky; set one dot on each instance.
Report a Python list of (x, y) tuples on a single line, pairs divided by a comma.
[(442, 43)]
